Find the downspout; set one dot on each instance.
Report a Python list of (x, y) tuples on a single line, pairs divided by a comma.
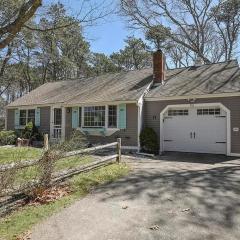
[(140, 103)]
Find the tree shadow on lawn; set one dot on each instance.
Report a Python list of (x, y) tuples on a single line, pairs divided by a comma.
[(207, 200)]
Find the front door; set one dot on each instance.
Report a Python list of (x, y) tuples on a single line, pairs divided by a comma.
[(57, 124)]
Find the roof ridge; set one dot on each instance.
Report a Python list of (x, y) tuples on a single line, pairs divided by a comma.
[(205, 64)]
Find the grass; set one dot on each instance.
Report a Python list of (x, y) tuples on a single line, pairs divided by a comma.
[(9, 155), (13, 154), (22, 220)]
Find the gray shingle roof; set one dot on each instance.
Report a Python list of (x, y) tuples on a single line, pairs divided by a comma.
[(205, 79), (124, 86), (129, 86)]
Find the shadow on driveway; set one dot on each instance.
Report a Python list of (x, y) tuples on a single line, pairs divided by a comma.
[(195, 157), (185, 199), (186, 196)]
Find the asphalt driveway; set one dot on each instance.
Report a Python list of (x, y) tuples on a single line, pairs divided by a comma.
[(178, 196)]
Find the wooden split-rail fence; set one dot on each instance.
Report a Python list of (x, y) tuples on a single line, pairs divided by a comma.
[(59, 176)]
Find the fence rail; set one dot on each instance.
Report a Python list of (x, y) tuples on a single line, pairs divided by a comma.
[(61, 175), (29, 163)]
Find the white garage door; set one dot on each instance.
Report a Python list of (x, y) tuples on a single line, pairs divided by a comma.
[(195, 129)]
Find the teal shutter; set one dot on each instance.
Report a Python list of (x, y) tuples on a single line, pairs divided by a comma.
[(37, 117), (75, 117), (16, 118), (122, 116)]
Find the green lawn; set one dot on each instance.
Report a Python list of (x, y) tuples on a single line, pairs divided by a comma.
[(9, 155), (13, 154), (22, 220)]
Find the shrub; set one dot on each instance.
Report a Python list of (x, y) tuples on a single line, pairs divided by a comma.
[(149, 141), (76, 141), (31, 132), (7, 138)]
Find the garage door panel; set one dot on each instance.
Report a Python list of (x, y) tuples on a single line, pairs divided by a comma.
[(196, 133)]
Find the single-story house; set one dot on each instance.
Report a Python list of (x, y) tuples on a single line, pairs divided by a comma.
[(192, 109)]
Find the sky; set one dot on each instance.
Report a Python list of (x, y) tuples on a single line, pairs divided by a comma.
[(108, 36)]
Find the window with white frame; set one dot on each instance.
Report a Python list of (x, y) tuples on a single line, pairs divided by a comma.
[(208, 111), (94, 116), (26, 116), (178, 112), (112, 116)]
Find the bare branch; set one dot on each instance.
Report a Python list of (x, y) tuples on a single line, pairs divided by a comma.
[(25, 13)]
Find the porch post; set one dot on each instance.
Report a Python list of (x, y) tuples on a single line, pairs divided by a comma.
[(51, 122), (63, 123)]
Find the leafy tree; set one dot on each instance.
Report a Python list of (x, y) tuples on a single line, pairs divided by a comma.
[(135, 55), (100, 64)]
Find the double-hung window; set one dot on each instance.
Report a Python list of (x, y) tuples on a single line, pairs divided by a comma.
[(94, 116), (98, 116), (27, 116)]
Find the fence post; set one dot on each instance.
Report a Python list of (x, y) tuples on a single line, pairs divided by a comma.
[(119, 150), (46, 144)]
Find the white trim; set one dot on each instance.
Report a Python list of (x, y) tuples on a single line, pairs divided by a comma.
[(63, 131), (140, 114), (26, 109), (98, 103), (190, 97), (71, 105), (198, 105), (51, 121), (106, 117)]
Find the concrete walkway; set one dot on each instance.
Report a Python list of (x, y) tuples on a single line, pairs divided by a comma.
[(176, 196)]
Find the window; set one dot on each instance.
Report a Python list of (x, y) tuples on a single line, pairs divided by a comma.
[(23, 117), (26, 116), (112, 116), (57, 116), (209, 111), (94, 116), (178, 112), (31, 115)]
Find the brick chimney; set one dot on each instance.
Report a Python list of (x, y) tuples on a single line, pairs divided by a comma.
[(158, 67)]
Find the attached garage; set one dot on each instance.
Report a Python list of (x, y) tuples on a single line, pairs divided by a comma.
[(199, 128)]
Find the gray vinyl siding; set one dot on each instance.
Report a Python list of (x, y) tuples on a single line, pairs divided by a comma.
[(10, 119), (152, 109), (44, 119), (129, 135)]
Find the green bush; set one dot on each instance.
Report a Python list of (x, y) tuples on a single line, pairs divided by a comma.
[(31, 132), (7, 138), (149, 141)]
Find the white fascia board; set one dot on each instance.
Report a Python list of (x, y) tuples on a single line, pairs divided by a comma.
[(34, 106), (82, 104), (190, 97), (68, 105)]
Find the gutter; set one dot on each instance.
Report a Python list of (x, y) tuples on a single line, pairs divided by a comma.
[(140, 113)]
